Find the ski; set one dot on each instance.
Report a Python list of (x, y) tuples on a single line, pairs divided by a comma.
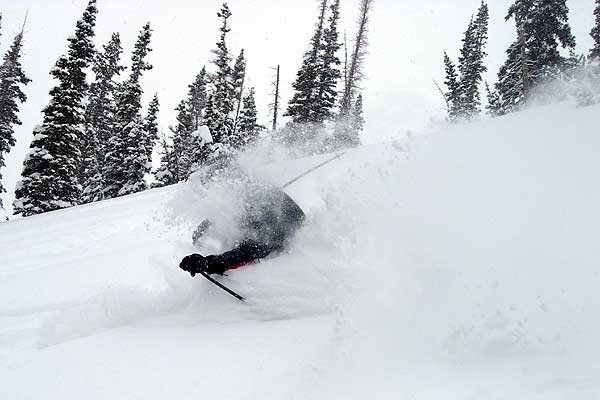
[(225, 288)]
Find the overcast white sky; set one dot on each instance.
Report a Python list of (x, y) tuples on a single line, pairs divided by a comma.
[(406, 37)]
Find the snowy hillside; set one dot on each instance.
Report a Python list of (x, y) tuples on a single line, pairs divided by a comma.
[(457, 264)]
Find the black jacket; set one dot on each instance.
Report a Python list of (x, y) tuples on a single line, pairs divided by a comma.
[(269, 219)]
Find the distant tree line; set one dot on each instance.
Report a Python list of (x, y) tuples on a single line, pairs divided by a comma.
[(534, 58), (95, 144)]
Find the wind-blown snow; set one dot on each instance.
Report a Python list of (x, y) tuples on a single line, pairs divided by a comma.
[(461, 263)]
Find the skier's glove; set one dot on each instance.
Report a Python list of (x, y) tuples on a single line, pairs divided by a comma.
[(194, 263)]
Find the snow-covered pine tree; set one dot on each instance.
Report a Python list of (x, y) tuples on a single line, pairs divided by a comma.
[(151, 126), (463, 98), (551, 27), (301, 105), (454, 94), (344, 135), (164, 175), (329, 69), (248, 128), (542, 26), (219, 118), (355, 67), (198, 96), (12, 80), (126, 160), (100, 118), (183, 151), (595, 33), (238, 76), (50, 168), (470, 63), (493, 101), (358, 120), (514, 77)]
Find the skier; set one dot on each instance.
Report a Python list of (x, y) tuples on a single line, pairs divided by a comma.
[(268, 221)]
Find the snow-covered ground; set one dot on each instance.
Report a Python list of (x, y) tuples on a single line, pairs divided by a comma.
[(458, 264)]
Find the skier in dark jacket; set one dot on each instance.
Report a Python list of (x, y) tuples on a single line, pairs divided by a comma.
[(269, 219)]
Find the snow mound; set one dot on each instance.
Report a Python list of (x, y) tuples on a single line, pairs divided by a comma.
[(458, 263)]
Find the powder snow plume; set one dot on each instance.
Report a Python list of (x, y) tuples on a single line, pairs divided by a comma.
[(458, 263)]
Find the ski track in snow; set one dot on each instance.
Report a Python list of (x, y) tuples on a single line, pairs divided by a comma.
[(461, 263)]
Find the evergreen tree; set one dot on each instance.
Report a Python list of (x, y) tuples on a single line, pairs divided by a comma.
[(182, 152), (301, 107), (136, 162), (463, 97), (198, 97), (165, 174), (192, 114), (354, 71), (248, 128), (595, 33), (238, 76), (454, 95), (12, 79), (542, 26), (151, 126), (551, 27), (329, 72), (514, 78), (100, 117), (471, 65), (218, 117), (126, 160), (358, 120), (50, 169), (344, 135), (493, 107)]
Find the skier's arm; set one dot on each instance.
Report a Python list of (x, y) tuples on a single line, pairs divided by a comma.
[(245, 253)]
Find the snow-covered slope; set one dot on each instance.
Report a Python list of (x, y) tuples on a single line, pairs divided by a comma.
[(462, 263)]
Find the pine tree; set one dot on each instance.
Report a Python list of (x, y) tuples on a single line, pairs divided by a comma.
[(329, 72), (126, 160), (542, 26), (514, 78), (301, 106), (551, 27), (595, 33), (471, 65), (151, 126), (248, 128), (165, 174), (218, 118), (493, 106), (198, 97), (12, 79), (358, 120), (344, 135), (238, 77), (463, 97), (50, 169), (355, 68), (454, 94), (100, 117), (182, 152)]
